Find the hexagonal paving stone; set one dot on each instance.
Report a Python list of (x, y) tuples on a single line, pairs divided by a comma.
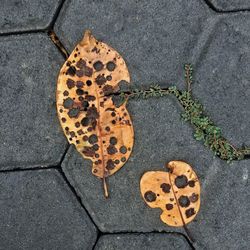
[(30, 133), (39, 211), (222, 75), (154, 38), (142, 242), (26, 15), (160, 136), (227, 5)]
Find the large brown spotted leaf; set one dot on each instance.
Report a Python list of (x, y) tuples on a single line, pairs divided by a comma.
[(100, 131), (176, 192)]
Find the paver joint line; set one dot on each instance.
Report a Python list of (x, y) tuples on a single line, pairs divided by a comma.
[(213, 8), (77, 197)]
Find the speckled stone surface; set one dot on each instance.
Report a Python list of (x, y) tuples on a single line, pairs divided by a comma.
[(30, 133), (39, 211), (142, 242), (25, 15)]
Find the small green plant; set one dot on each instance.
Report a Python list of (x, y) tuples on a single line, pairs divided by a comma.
[(204, 128)]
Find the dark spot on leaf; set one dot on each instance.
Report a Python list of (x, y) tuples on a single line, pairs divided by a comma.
[(150, 196), (100, 80), (85, 138), (165, 187), (110, 165), (98, 65), (79, 84), (89, 83), (79, 73), (63, 119), (77, 124), (108, 89), (80, 64), (79, 92), (184, 201), (85, 121), (194, 197), (111, 150), (72, 134), (70, 83), (68, 103), (113, 140), (65, 93), (107, 129), (181, 181), (87, 71), (123, 150), (109, 78), (85, 104), (79, 132), (93, 139), (90, 97), (95, 147), (111, 66), (73, 112), (123, 159), (169, 206), (191, 183), (190, 212), (88, 151)]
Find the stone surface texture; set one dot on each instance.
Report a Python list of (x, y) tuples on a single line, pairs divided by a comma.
[(25, 15), (142, 242), (39, 211), (50, 208), (30, 133)]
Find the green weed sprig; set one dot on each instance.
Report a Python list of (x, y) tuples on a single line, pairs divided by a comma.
[(204, 128)]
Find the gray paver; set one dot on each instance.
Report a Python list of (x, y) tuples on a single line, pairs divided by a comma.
[(160, 136), (142, 242), (26, 15), (155, 39), (222, 75), (227, 5), (30, 133), (39, 211)]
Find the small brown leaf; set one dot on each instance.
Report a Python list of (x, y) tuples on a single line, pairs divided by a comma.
[(100, 131), (176, 192)]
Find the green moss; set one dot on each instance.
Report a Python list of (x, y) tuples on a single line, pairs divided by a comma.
[(204, 128)]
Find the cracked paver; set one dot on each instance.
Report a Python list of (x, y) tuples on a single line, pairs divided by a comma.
[(39, 211), (230, 5), (30, 133), (142, 242), (24, 15)]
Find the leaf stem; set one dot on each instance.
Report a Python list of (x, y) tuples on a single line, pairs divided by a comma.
[(105, 187)]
